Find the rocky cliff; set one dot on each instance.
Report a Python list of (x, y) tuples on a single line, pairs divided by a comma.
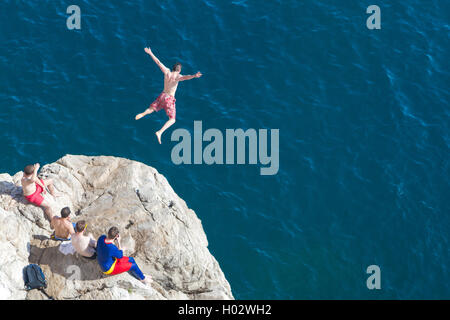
[(158, 229)]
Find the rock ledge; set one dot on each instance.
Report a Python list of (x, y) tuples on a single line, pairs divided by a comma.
[(164, 236)]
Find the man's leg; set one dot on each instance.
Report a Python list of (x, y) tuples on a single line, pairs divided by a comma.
[(49, 184), (47, 209), (159, 133), (136, 272), (135, 269), (143, 114)]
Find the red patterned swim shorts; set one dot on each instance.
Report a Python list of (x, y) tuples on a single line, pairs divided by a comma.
[(167, 102)]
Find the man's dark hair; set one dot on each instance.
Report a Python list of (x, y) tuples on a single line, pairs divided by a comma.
[(28, 169), (65, 212), (113, 232), (79, 227), (175, 66)]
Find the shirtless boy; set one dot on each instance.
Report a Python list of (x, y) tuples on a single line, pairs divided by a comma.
[(34, 188), (166, 100), (63, 226), (85, 245)]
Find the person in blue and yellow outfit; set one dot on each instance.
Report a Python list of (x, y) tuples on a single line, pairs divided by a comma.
[(111, 259)]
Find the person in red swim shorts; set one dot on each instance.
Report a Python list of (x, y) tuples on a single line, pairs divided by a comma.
[(34, 188), (166, 100)]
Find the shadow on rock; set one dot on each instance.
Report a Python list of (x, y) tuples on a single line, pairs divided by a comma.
[(40, 237), (12, 190), (7, 187), (71, 267)]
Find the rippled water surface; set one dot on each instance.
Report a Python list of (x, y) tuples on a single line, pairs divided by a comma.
[(363, 118)]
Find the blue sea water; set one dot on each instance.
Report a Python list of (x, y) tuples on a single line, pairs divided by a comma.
[(363, 118)]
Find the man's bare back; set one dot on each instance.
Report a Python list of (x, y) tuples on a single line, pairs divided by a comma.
[(63, 227), (171, 80), (28, 186), (33, 188), (29, 181)]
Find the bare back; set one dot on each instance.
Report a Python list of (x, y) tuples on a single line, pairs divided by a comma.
[(63, 227), (28, 186), (171, 79)]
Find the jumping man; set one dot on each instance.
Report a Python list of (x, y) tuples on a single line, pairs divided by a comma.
[(166, 100)]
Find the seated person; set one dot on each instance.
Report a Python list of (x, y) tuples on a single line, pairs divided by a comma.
[(84, 245), (62, 225), (111, 259), (33, 189)]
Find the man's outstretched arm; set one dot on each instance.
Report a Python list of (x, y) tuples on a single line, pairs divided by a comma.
[(183, 78), (163, 68), (35, 171), (35, 177)]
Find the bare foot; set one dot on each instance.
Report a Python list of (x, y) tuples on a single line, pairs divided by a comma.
[(140, 115), (57, 194), (158, 135), (147, 280)]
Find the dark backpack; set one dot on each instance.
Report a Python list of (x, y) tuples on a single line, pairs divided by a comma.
[(34, 277)]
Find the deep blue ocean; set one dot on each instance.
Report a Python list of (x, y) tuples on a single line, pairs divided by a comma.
[(363, 117)]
